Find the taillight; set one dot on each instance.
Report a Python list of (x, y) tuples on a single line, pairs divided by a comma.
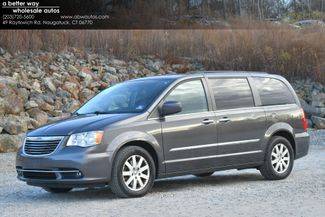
[(304, 120)]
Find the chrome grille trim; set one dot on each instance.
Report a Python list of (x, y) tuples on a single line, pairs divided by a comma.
[(41, 146)]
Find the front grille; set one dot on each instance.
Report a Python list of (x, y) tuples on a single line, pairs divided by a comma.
[(41, 145)]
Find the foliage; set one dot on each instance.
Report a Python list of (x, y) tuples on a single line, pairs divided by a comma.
[(292, 53)]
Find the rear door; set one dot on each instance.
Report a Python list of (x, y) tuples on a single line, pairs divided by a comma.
[(240, 124), (186, 134)]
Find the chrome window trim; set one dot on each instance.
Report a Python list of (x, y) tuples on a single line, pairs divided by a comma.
[(42, 138), (214, 145), (212, 156)]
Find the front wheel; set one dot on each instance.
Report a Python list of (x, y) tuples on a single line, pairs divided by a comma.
[(133, 172), (279, 159)]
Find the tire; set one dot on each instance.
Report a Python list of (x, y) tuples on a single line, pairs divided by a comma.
[(272, 169), (204, 174), (127, 178), (57, 190)]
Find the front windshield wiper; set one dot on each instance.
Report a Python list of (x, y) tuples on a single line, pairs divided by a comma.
[(96, 113)]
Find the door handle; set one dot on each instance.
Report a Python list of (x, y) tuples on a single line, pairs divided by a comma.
[(207, 121), (224, 120)]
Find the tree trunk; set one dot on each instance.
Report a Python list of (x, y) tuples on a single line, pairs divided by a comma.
[(224, 9), (239, 7), (259, 9)]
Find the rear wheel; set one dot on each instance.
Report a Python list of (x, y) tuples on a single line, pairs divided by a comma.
[(57, 190), (133, 172), (204, 174), (279, 159)]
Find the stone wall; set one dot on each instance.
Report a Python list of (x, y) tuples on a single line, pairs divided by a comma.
[(42, 87)]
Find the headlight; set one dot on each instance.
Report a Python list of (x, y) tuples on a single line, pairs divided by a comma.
[(86, 139)]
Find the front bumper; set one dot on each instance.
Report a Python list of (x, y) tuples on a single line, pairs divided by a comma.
[(302, 144), (67, 167)]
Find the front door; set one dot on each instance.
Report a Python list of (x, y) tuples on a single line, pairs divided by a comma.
[(186, 134)]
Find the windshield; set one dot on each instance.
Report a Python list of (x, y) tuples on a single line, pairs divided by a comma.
[(128, 97)]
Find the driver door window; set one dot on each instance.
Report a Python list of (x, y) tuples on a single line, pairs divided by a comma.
[(191, 95)]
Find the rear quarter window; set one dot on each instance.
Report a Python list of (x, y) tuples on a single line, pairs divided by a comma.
[(273, 92)]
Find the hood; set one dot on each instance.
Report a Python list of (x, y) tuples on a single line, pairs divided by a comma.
[(78, 124)]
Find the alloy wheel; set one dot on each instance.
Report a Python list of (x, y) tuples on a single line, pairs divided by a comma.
[(280, 158), (136, 172)]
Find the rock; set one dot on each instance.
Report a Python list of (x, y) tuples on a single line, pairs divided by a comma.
[(49, 98), (308, 109), (36, 87), (71, 106), (15, 125), (14, 104), (39, 116), (23, 93), (318, 100), (2, 51), (85, 95), (31, 104), (73, 69), (46, 107), (154, 66), (87, 78), (49, 84), (34, 72), (318, 122), (110, 79), (2, 106), (111, 70), (10, 143), (71, 88), (53, 68), (116, 62), (1, 130)]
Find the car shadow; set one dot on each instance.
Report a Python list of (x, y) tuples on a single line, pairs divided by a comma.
[(178, 183), (161, 185)]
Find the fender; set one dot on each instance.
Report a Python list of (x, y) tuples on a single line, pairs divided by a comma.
[(274, 128), (132, 136)]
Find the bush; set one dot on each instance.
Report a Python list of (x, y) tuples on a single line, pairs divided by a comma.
[(292, 53)]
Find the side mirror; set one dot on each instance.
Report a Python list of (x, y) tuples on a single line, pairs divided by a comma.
[(169, 108)]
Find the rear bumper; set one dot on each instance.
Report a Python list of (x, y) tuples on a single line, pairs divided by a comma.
[(302, 144), (68, 167)]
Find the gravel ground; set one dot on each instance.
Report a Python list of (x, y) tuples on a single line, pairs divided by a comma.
[(228, 193)]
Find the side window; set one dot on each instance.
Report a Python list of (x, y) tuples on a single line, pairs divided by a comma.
[(273, 92), (230, 93), (191, 95)]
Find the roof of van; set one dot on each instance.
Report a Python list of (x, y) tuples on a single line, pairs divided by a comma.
[(210, 73)]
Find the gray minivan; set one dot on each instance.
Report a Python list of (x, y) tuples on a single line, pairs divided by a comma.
[(137, 131)]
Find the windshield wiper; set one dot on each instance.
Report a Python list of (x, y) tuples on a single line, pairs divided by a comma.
[(96, 113)]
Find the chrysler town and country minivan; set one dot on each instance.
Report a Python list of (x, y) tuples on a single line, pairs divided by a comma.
[(137, 131)]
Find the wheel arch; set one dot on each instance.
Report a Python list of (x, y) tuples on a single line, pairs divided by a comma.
[(140, 139), (283, 130)]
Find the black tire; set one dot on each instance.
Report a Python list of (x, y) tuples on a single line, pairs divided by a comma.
[(57, 190), (118, 185), (204, 174), (267, 170)]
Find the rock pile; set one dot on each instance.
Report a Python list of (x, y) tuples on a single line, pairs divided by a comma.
[(312, 98), (37, 88)]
